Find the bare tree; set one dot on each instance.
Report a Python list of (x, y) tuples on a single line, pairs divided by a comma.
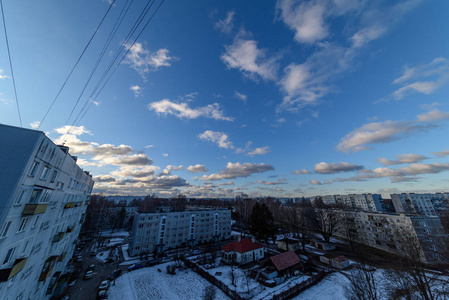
[(348, 228), (362, 283), (326, 222)]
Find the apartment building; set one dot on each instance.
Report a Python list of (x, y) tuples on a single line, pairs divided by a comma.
[(386, 231), (421, 203), (159, 231), (43, 199), (365, 202)]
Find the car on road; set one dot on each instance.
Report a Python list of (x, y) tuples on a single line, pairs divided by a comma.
[(152, 262), (134, 267), (88, 275), (91, 268), (104, 285), (79, 258), (166, 259), (102, 295)]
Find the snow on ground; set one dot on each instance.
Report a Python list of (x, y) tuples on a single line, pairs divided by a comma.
[(125, 252), (148, 283), (330, 288), (289, 283), (113, 242), (102, 256), (115, 233)]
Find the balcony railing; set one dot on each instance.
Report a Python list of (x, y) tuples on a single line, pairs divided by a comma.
[(34, 209), (48, 268), (6, 274), (69, 205)]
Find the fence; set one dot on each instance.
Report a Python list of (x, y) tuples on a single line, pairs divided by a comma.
[(292, 292)]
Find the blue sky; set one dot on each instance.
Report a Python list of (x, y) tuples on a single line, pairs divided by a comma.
[(218, 98)]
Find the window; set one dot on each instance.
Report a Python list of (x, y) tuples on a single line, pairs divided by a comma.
[(36, 220), (23, 225), (45, 173), (33, 169), (9, 255), (5, 229), (19, 197), (53, 177), (35, 195)]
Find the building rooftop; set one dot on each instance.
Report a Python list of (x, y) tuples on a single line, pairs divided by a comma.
[(285, 260), (242, 246)]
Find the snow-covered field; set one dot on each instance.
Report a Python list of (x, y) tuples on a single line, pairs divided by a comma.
[(330, 288), (148, 283)]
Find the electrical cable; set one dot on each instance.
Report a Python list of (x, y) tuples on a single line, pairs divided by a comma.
[(10, 64)]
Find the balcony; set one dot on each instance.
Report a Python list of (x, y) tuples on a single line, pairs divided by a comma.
[(6, 274), (34, 209), (71, 228), (69, 205), (62, 256), (58, 237), (48, 268)]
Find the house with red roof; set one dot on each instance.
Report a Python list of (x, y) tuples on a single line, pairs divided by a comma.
[(285, 262), (242, 251)]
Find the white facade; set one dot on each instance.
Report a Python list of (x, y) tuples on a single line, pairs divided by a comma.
[(421, 204), (167, 230), (365, 202), (44, 195)]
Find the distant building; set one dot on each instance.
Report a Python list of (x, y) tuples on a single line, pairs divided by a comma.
[(385, 231), (285, 262), (128, 199), (322, 244), (44, 195), (163, 230), (289, 244), (242, 251), (334, 260), (421, 204), (365, 202)]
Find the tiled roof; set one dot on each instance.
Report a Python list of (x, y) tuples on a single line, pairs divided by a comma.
[(243, 246), (285, 260)]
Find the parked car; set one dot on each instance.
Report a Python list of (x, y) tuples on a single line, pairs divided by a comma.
[(115, 274), (104, 285), (134, 267), (79, 258), (94, 253), (88, 275), (91, 268), (102, 295), (152, 262), (166, 259), (196, 252)]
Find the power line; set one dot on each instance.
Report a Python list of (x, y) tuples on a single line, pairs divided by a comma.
[(10, 64), (79, 58), (81, 114)]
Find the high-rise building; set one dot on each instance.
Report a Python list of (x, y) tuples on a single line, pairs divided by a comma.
[(159, 231), (419, 204), (365, 202), (43, 199)]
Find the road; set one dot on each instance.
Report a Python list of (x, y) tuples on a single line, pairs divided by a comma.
[(88, 289)]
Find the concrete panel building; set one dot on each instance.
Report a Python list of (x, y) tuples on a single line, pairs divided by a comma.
[(365, 202), (43, 199), (159, 231), (426, 204)]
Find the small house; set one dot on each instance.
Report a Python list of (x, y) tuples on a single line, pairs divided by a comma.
[(336, 261), (322, 244), (289, 244), (242, 251), (285, 262)]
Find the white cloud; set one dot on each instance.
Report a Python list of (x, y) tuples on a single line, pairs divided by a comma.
[(403, 159), (240, 96), (259, 151), (197, 168), (35, 124), (315, 182), (143, 61), (131, 160), (280, 181), (424, 79), (442, 153), (300, 172), (137, 90), (253, 62), (220, 138), (2, 76), (182, 110), (164, 154), (226, 24), (234, 170), (305, 18), (387, 131), (169, 168), (74, 130), (332, 168), (149, 147), (138, 172)]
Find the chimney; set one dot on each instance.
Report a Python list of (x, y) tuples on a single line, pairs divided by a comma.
[(239, 239), (253, 239)]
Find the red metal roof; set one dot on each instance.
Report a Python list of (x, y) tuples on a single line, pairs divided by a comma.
[(285, 260), (243, 246)]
